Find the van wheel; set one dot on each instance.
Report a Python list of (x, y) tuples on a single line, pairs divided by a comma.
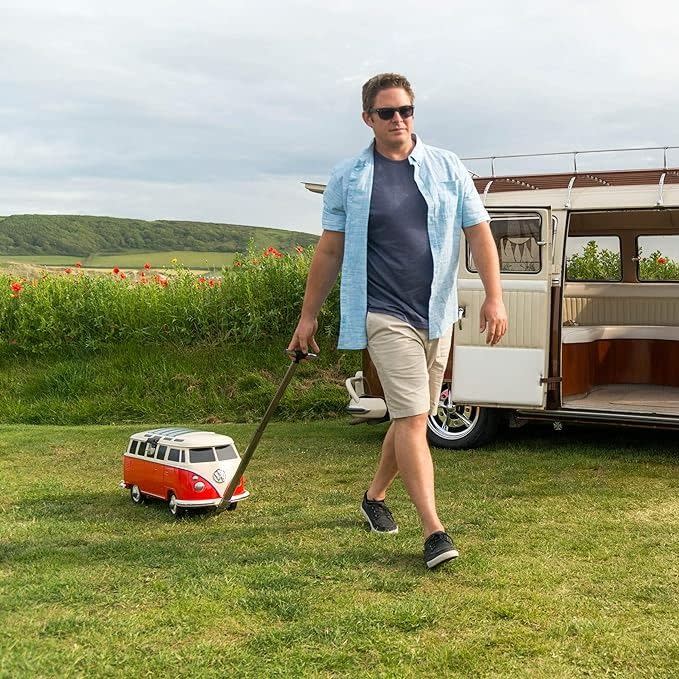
[(461, 426), (174, 508), (232, 506), (136, 495)]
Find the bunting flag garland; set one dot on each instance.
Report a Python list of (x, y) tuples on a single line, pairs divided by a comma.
[(522, 245)]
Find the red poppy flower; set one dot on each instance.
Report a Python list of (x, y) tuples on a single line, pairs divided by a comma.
[(16, 286), (299, 249), (201, 279), (147, 265), (662, 260), (116, 270), (78, 265), (122, 275), (67, 270), (211, 283)]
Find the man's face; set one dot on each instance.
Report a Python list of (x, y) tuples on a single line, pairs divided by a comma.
[(396, 132)]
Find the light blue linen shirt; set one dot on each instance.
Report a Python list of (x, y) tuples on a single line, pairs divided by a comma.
[(452, 204)]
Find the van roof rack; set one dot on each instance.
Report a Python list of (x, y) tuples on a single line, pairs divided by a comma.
[(493, 183), (584, 178)]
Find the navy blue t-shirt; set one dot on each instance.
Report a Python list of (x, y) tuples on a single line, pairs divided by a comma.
[(400, 265)]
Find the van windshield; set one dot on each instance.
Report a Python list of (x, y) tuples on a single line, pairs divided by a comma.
[(226, 453), (197, 455)]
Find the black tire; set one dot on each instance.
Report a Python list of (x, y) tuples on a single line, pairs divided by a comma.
[(232, 506), (175, 510), (459, 427), (136, 495)]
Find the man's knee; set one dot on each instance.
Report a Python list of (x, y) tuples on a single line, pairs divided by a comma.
[(415, 422)]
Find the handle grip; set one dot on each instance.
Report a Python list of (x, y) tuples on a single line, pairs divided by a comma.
[(297, 355)]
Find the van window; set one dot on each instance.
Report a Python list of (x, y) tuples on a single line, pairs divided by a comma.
[(160, 454), (142, 448), (198, 455), (593, 258), (658, 258), (182, 456), (150, 450), (133, 447), (516, 238), (226, 453), (173, 455)]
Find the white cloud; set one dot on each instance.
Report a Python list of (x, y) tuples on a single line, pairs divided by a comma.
[(153, 106)]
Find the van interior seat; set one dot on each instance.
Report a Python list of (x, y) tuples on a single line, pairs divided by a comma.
[(631, 304), (579, 334)]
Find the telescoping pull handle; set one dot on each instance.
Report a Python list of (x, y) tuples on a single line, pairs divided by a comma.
[(297, 355)]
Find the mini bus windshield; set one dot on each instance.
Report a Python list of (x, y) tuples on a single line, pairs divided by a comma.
[(197, 455), (226, 453)]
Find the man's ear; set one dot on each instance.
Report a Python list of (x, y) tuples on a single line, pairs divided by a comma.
[(367, 120)]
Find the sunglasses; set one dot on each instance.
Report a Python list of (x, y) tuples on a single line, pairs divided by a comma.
[(388, 112)]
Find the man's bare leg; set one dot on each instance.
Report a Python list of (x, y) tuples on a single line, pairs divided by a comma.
[(405, 450), (387, 468), (415, 465)]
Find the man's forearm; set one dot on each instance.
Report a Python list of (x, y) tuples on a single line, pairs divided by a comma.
[(322, 276), (323, 273)]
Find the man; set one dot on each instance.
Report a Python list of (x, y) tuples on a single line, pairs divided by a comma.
[(392, 218)]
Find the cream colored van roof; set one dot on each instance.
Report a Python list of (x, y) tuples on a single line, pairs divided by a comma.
[(185, 438), (573, 190)]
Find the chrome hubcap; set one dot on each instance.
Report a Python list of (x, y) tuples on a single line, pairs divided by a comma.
[(453, 421)]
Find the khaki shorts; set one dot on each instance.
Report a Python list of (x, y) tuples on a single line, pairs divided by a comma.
[(409, 365)]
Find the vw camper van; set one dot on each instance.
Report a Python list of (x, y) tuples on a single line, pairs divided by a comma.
[(186, 468), (590, 275)]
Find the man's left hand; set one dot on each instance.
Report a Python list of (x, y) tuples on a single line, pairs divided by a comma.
[(493, 320)]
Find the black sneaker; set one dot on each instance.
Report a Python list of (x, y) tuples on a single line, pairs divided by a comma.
[(439, 548), (377, 514)]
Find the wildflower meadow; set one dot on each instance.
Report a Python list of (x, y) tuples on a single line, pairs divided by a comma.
[(258, 296)]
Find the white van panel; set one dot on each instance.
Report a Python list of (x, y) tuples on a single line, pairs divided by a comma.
[(526, 302), (498, 375)]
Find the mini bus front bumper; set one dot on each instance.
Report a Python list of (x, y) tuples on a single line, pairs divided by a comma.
[(213, 502)]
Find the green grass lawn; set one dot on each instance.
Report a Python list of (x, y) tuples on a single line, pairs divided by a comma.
[(141, 383), (568, 563)]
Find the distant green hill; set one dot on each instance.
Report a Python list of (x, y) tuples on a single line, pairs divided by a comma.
[(81, 235)]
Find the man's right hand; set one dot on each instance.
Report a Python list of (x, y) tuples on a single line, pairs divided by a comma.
[(303, 337)]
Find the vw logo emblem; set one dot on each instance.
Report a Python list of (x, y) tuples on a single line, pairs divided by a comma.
[(219, 476)]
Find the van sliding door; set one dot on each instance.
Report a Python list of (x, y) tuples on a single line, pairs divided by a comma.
[(511, 373)]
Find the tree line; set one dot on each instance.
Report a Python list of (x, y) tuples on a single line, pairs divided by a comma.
[(82, 235)]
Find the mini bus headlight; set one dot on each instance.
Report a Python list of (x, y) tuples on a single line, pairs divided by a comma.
[(198, 486)]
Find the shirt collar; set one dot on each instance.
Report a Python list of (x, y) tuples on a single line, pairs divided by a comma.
[(417, 154)]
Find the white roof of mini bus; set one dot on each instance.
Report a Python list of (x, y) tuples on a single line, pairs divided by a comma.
[(184, 438)]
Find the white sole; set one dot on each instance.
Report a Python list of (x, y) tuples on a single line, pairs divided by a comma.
[(440, 558), (372, 528)]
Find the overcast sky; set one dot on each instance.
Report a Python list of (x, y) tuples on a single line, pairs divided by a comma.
[(217, 109)]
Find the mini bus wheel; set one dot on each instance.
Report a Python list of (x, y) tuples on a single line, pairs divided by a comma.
[(232, 506), (461, 426), (174, 508), (136, 495)]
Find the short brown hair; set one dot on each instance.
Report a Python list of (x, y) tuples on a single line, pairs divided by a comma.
[(383, 81)]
